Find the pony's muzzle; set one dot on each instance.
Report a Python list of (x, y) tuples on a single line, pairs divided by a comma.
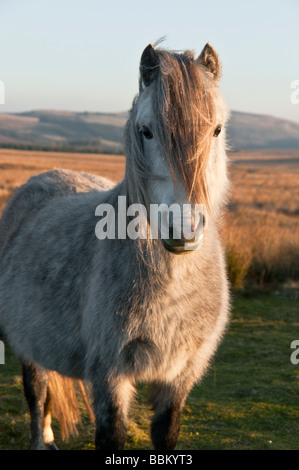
[(185, 237), (186, 241)]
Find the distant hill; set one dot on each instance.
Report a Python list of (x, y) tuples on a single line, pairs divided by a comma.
[(257, 131), (103, 132), (64, 130)]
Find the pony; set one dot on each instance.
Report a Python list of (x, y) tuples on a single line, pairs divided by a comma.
[(103, 315)]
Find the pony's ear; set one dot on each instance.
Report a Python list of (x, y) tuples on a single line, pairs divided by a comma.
[(210, 60), (148, 65)]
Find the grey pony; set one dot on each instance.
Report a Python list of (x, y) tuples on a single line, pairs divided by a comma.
[(115, 312)]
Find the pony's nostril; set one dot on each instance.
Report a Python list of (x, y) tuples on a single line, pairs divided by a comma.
[(188, 240), (181, 237)]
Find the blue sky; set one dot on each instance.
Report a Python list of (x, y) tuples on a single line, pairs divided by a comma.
[(83, 55)]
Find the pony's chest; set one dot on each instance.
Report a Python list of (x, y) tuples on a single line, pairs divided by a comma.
[(161, 345), (149, 359), (162, 332)]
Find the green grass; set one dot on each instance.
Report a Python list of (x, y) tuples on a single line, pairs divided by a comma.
[(249, 399)]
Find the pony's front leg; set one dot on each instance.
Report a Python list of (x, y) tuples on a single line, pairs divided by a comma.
[(167, 401), (111, 403)]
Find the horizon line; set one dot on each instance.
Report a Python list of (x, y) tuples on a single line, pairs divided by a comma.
[(127, 111)]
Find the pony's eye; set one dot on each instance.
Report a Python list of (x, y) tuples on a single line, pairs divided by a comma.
[(146, 133), (217, 131)]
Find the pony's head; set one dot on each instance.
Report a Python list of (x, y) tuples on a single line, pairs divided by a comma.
[(175, 143)]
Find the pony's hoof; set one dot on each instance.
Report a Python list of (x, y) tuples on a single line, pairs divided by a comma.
[(51, 446)]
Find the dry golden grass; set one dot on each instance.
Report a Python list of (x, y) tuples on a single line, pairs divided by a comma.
[(17, 166), (260, 227)]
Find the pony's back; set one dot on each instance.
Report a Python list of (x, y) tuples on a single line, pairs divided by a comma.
[(37, 192)]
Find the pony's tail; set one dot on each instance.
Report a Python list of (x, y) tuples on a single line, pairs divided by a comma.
[(64, 395)]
